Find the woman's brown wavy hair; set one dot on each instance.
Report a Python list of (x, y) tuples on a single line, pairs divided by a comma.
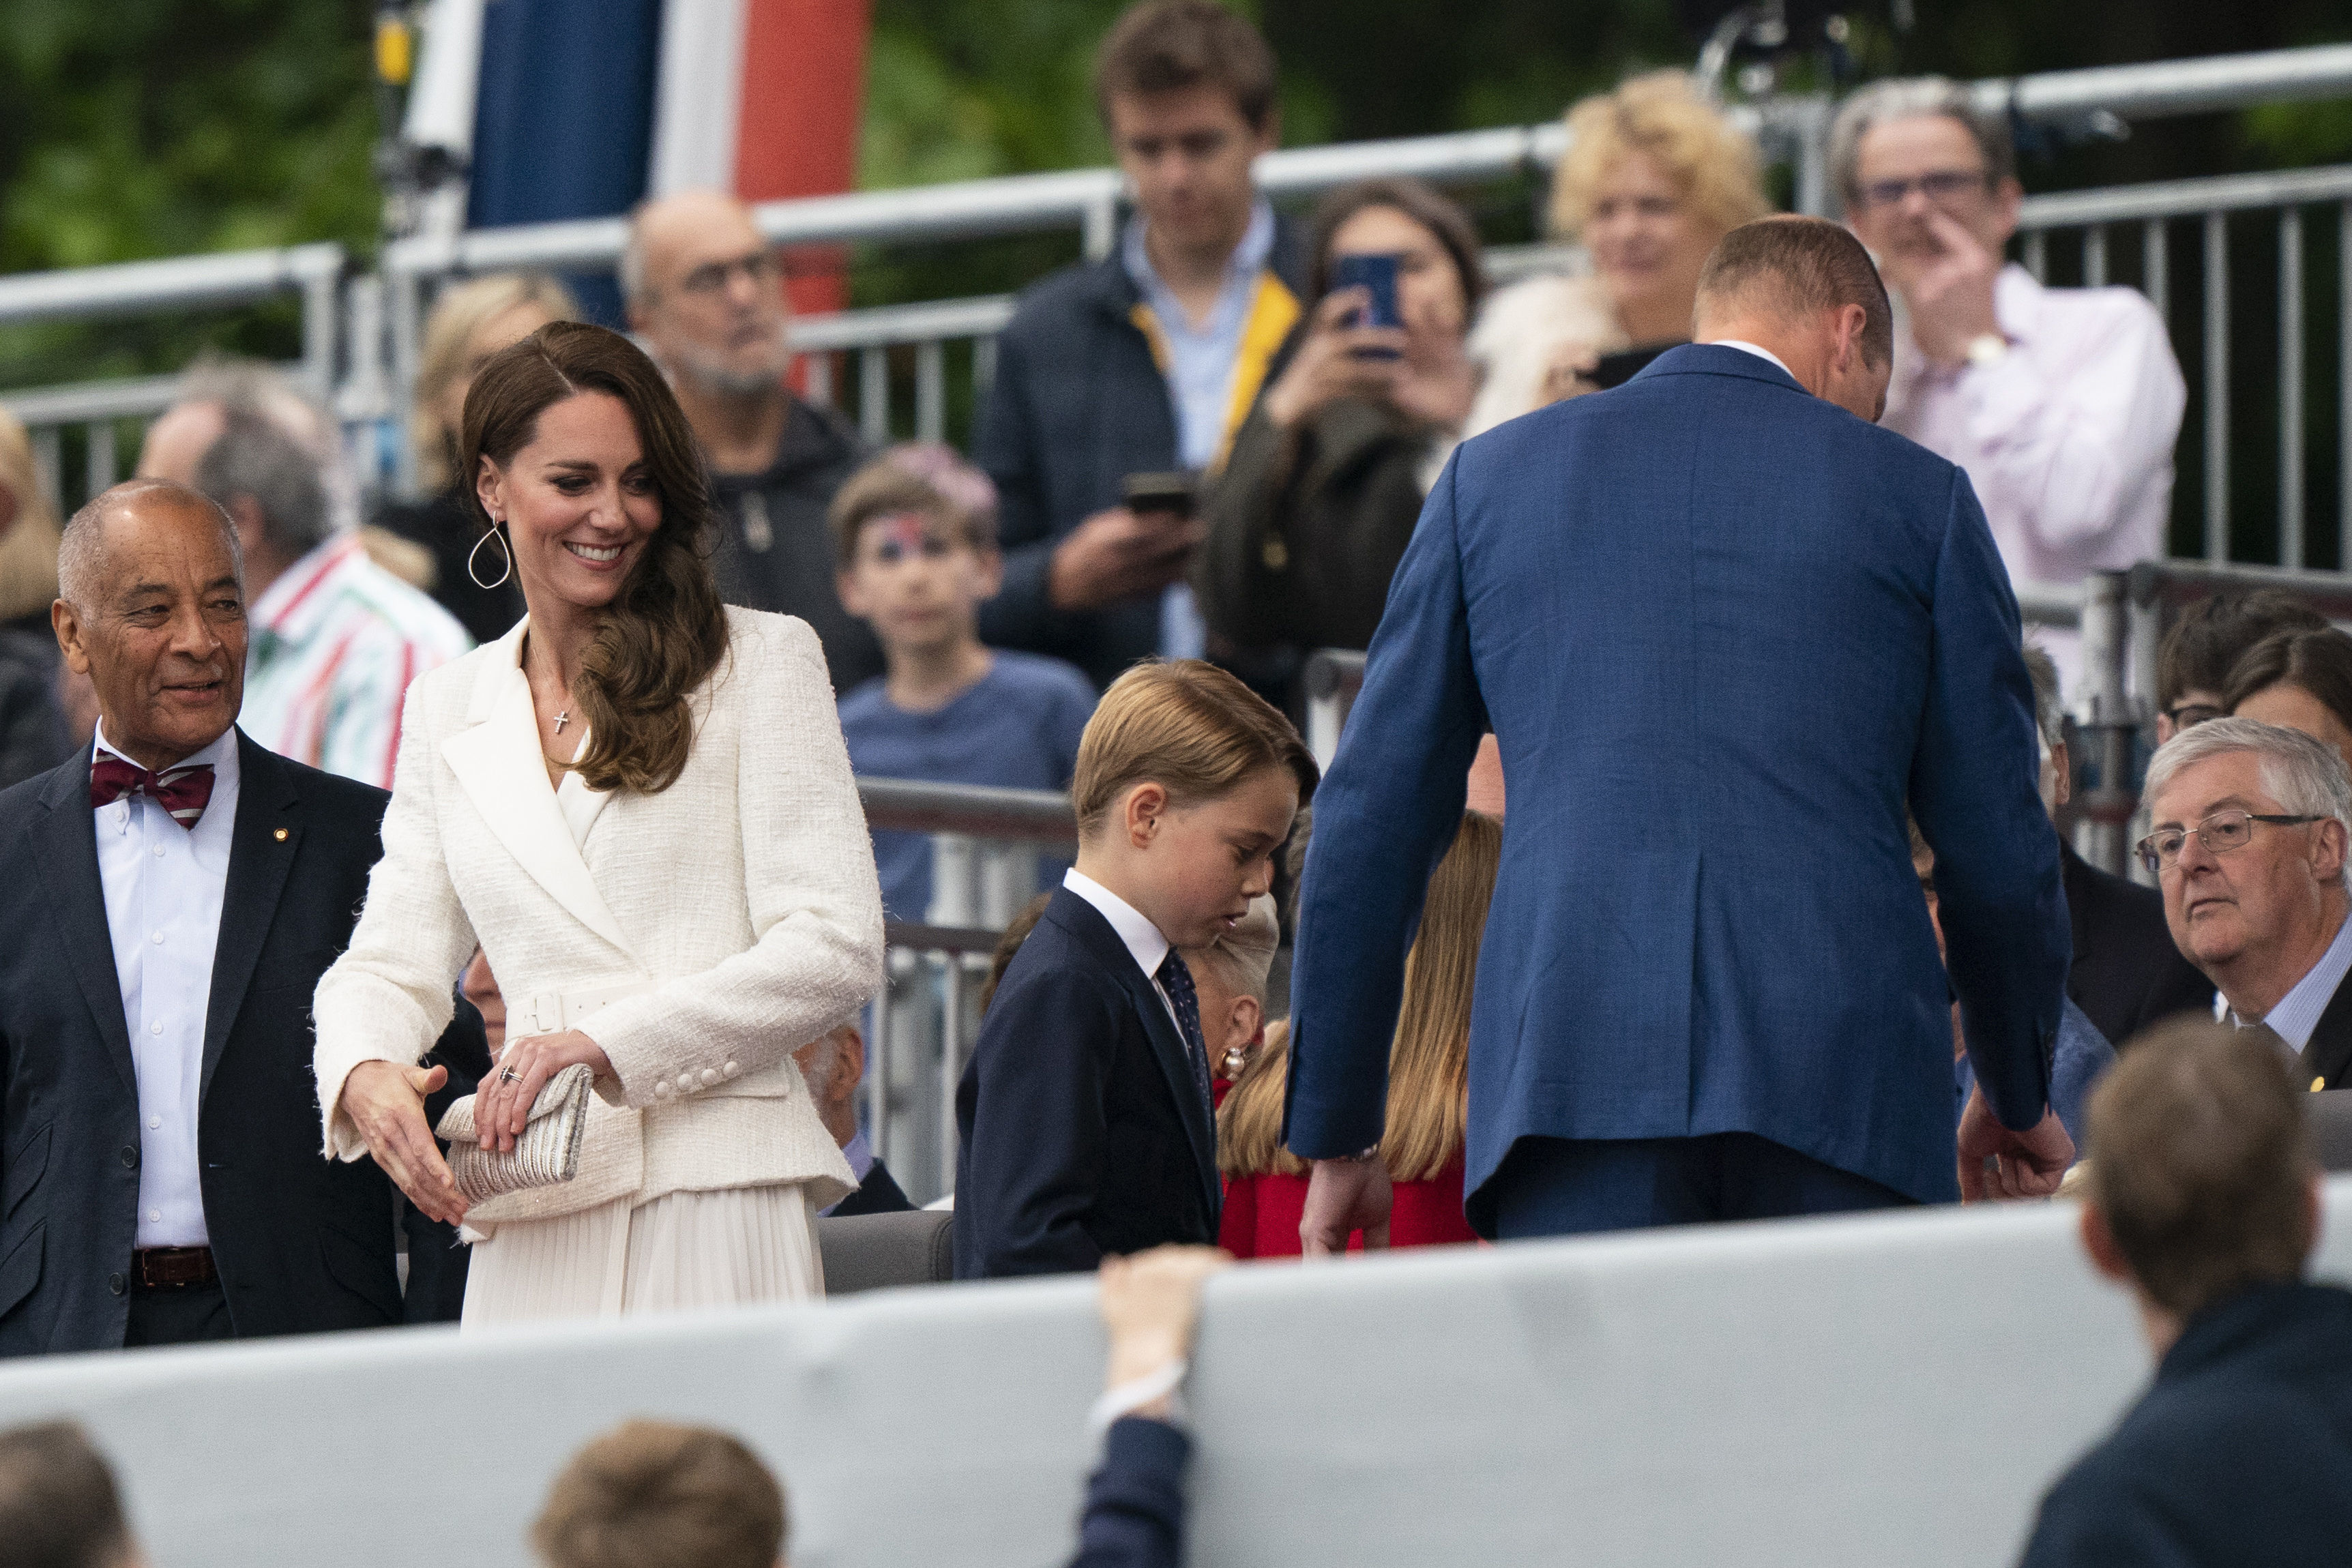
[(667, 629)]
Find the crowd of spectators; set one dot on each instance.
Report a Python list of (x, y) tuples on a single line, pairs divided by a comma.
[(1201, 459)]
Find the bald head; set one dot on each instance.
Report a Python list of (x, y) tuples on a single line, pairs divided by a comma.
[(82, 564), (707, 294)]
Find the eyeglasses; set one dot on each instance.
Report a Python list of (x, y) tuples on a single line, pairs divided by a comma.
[(712, 277), (1938, 186), (2188, 714), (2223, 832)]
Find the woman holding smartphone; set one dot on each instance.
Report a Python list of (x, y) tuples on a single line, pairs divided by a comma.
[(1312, 511)]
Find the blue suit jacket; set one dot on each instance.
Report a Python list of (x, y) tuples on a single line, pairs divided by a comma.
[(1082, 1132), (2240, 1453), (1723, 632)]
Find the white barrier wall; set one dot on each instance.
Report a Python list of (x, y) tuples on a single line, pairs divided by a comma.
[(1890, 1389)]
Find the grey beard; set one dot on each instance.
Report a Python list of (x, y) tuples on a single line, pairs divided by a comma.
[(728, 382)]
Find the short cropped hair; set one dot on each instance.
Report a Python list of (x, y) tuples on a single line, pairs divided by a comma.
[(1243, 957), (1912, 98), (2319, 661), (1806, 265), (254, 458), (59, 1505), (1165, 46), (2305, 776), (649, 1494), (2199, 1162), (2201, 649), (1188, 727), (77, 553), (925, 477), (2049, 713), (1663, 116)]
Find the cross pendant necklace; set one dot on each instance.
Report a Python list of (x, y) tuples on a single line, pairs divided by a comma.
[(562, 719)]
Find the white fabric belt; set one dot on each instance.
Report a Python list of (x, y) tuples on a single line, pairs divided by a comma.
[(553, 1012)]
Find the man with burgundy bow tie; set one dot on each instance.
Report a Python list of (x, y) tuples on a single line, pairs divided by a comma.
[(171, 898)]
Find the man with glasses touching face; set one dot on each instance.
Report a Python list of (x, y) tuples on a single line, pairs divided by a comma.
[(2251, 826), (2062, 404), (706, 295)]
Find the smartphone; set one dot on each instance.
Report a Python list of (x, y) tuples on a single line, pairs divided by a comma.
[(1165, 493), (1615, 369), (1376, 276)]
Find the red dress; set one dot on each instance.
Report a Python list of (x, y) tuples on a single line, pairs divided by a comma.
[(1262, 1213)]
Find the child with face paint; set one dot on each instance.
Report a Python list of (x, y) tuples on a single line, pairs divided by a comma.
[(915, 550)]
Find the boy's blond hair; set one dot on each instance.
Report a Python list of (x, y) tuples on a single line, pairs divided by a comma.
[(913, 478), (652, 1494), (1242, 958), (1189, 728)]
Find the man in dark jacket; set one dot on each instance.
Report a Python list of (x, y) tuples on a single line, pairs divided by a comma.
[(2204, 1203), (171, 896), (1146, 360), (706, 292)]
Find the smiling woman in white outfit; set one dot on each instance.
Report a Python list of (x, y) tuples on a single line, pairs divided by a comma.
[(637, 803)]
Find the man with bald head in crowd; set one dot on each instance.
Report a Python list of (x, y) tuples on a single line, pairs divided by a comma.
[(171, 896), (706, 293), (1724, 630)]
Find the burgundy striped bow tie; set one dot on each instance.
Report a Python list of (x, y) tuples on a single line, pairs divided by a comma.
[(183, 791)]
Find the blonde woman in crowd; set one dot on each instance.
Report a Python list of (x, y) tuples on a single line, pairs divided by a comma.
[(1653, 176), (33, 734), (470, 323), (1429, 1081)]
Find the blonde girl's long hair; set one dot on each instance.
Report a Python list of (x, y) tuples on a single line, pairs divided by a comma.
[(1429, 1063)]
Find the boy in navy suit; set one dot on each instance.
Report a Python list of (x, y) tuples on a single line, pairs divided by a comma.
[(1084, 1114)]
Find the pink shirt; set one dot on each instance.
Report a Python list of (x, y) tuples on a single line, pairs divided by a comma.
[(2068, 439)]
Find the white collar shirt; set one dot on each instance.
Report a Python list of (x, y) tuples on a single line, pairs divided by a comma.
[(1141, 938), (163, 884), (2298, 1012), (1758, 350)]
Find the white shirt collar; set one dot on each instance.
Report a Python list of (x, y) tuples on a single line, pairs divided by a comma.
[(1144, 943), (2298, 1012), (221, 755), (1756, 349)]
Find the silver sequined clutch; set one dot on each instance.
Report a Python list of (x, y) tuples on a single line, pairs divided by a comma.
[(547, 1153)]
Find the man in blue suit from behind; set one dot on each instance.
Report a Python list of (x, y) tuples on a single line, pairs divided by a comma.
[(1723, 629)]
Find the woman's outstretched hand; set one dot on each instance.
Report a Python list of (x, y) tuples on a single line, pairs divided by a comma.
[(387, 1103)]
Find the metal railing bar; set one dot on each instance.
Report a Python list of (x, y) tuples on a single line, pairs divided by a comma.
[(2161, 88), (98, 463), (917, 936), (48, 469), (2050, 603), (2290, 412), (2185, 198), (2094, 256), (817, 367), (2156, 268), (2217, 388), (2184, 582), (978, 316), (951, 1065), (2036, 256), (132, 398), (930, 391), (874, 394), (2344, 384), (222, 278), (920, 806)]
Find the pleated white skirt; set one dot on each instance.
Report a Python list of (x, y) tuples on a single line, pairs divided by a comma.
[(681, 1252)]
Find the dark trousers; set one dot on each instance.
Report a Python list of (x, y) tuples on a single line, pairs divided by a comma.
[(185, 1315), (1570, 1187)]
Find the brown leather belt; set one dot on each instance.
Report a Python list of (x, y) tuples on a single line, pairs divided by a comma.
[(172, 1267)]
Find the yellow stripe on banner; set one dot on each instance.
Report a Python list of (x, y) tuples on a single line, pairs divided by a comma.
[(1273, 313), (1149, 325)]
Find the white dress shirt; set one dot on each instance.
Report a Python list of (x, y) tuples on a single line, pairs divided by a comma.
[(2067, 438), (1758, 350), (163, 884), (2298, 1011), (1142, 939)]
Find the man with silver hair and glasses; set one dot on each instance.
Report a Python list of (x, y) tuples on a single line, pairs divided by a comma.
[(706, 295), (2251, 823), (2062, 404)]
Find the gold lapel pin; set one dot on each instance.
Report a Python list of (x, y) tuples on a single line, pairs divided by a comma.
[(280, 835), (2318, 1084)]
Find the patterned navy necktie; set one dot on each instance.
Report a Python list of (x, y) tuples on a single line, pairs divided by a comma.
[(1177, 981)]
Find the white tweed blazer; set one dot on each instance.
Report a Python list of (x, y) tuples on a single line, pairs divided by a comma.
[(741, 900)]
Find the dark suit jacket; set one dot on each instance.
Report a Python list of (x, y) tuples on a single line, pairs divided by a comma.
[(2327, 1054), (1077, 406), (1727, 631), (2240, 1453), (879, 1193), (1083, 1133), (1135, 1501), (2126, 974), (303, 1243)]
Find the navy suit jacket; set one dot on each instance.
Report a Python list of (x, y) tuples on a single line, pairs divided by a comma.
[(303, 1243), (1725, 632), (1135, 1500), (2241, 1452), (1082, 1130)]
